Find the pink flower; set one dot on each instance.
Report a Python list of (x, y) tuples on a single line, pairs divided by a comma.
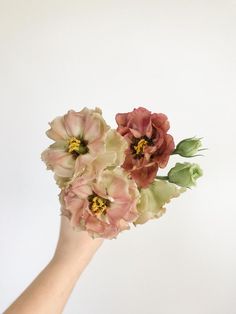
[(79, 138), (149, 144), (104, 206)]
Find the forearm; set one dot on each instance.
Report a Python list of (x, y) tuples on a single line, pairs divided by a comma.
[(50, 290)]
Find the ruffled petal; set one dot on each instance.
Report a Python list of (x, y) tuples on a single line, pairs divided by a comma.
[(122, 118), (115, 143), (95, 126), (144, 176), (74, 123), (154, 198), (140, 120), (57, 130), (160, 120), (59, 161)]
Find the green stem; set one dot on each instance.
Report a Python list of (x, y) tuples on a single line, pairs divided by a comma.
[(162, 177)]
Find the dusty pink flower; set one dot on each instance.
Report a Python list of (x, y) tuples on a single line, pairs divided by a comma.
[(111, 157), (149, 144), (80, 138), (103, 206)]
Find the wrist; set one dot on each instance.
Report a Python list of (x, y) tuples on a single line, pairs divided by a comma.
[(76, 251)]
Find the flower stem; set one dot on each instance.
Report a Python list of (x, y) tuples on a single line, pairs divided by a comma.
[(162, 177)]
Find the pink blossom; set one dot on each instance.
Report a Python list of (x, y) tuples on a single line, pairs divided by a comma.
[(149, 144), (80, 138), (103, 206)]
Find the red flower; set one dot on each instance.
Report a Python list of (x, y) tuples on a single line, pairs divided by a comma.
[(149, 144)]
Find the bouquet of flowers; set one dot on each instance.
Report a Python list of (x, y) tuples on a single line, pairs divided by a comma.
[(108, 177)]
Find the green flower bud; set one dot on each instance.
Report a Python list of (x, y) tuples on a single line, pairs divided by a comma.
[(188, 147), (185, 174)]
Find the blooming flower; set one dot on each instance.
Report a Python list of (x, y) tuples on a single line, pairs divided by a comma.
[(104, 206), (149, 144), (112, 156), (153, 199), (185, 174), (80, 138)]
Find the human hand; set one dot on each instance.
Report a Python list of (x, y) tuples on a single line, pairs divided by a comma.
[(50, 290), (74, 246)]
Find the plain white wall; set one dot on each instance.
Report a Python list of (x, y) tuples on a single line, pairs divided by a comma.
[(176, 57)]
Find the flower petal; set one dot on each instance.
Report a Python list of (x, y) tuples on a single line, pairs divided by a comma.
[(57, 130), (74, 123), (115, 143), (144, 176), (160, 120), (95, 126), (154, 198), (59, 161)]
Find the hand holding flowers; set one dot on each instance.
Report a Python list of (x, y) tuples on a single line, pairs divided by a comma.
[(108, 178)]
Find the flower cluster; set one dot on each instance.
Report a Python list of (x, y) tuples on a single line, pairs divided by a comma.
[(108, 177)]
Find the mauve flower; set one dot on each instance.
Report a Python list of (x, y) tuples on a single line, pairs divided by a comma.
[(81, 137), (149, 144), (153, 199), (104, 205)]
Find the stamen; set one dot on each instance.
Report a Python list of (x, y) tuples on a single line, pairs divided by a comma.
[(77, 146), (98, 205), (74, 144), (138, 145), (139, 148)]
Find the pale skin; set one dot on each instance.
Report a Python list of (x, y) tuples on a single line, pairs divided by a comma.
[(50, 290)]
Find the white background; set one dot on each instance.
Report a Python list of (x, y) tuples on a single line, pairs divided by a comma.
[(176, 57)]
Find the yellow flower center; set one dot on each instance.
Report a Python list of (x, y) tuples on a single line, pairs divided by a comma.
[(73, 145), (140, 146), (98, 205)]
